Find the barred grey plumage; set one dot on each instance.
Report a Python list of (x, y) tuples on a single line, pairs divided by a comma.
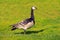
[(27, 23)]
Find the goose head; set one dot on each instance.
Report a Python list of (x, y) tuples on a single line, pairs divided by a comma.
[(33, 7)]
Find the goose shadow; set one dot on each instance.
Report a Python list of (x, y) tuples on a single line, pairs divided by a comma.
[(30, 32)]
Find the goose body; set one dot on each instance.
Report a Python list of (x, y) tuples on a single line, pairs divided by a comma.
[(25, 24)]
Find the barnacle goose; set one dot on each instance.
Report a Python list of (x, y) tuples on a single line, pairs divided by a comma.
[(27, 23)]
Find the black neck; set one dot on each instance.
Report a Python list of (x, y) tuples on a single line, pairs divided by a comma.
[(32, 15)]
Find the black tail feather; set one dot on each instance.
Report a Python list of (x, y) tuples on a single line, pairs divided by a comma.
[(13, 29)]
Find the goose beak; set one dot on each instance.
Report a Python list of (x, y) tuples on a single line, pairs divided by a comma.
[(35, 7)]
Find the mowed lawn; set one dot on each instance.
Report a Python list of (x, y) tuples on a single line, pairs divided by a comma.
[(47, 18)]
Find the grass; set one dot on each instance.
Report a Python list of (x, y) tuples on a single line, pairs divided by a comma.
[(47, 18)]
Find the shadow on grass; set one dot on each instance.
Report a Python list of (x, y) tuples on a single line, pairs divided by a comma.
[(30, 32)]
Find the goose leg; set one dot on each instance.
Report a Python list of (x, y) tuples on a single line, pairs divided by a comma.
[(24, 31)]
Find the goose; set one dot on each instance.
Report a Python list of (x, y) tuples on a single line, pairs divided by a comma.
[(27, 23)]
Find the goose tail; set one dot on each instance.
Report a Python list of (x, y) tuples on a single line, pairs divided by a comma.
[(13, 29)]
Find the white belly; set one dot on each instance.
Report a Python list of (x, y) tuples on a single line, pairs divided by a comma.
[(30, 24)]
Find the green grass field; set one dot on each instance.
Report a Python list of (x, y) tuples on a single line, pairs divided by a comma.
[(47, 18)]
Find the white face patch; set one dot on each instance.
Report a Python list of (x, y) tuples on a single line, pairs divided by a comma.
[(33, 8)]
